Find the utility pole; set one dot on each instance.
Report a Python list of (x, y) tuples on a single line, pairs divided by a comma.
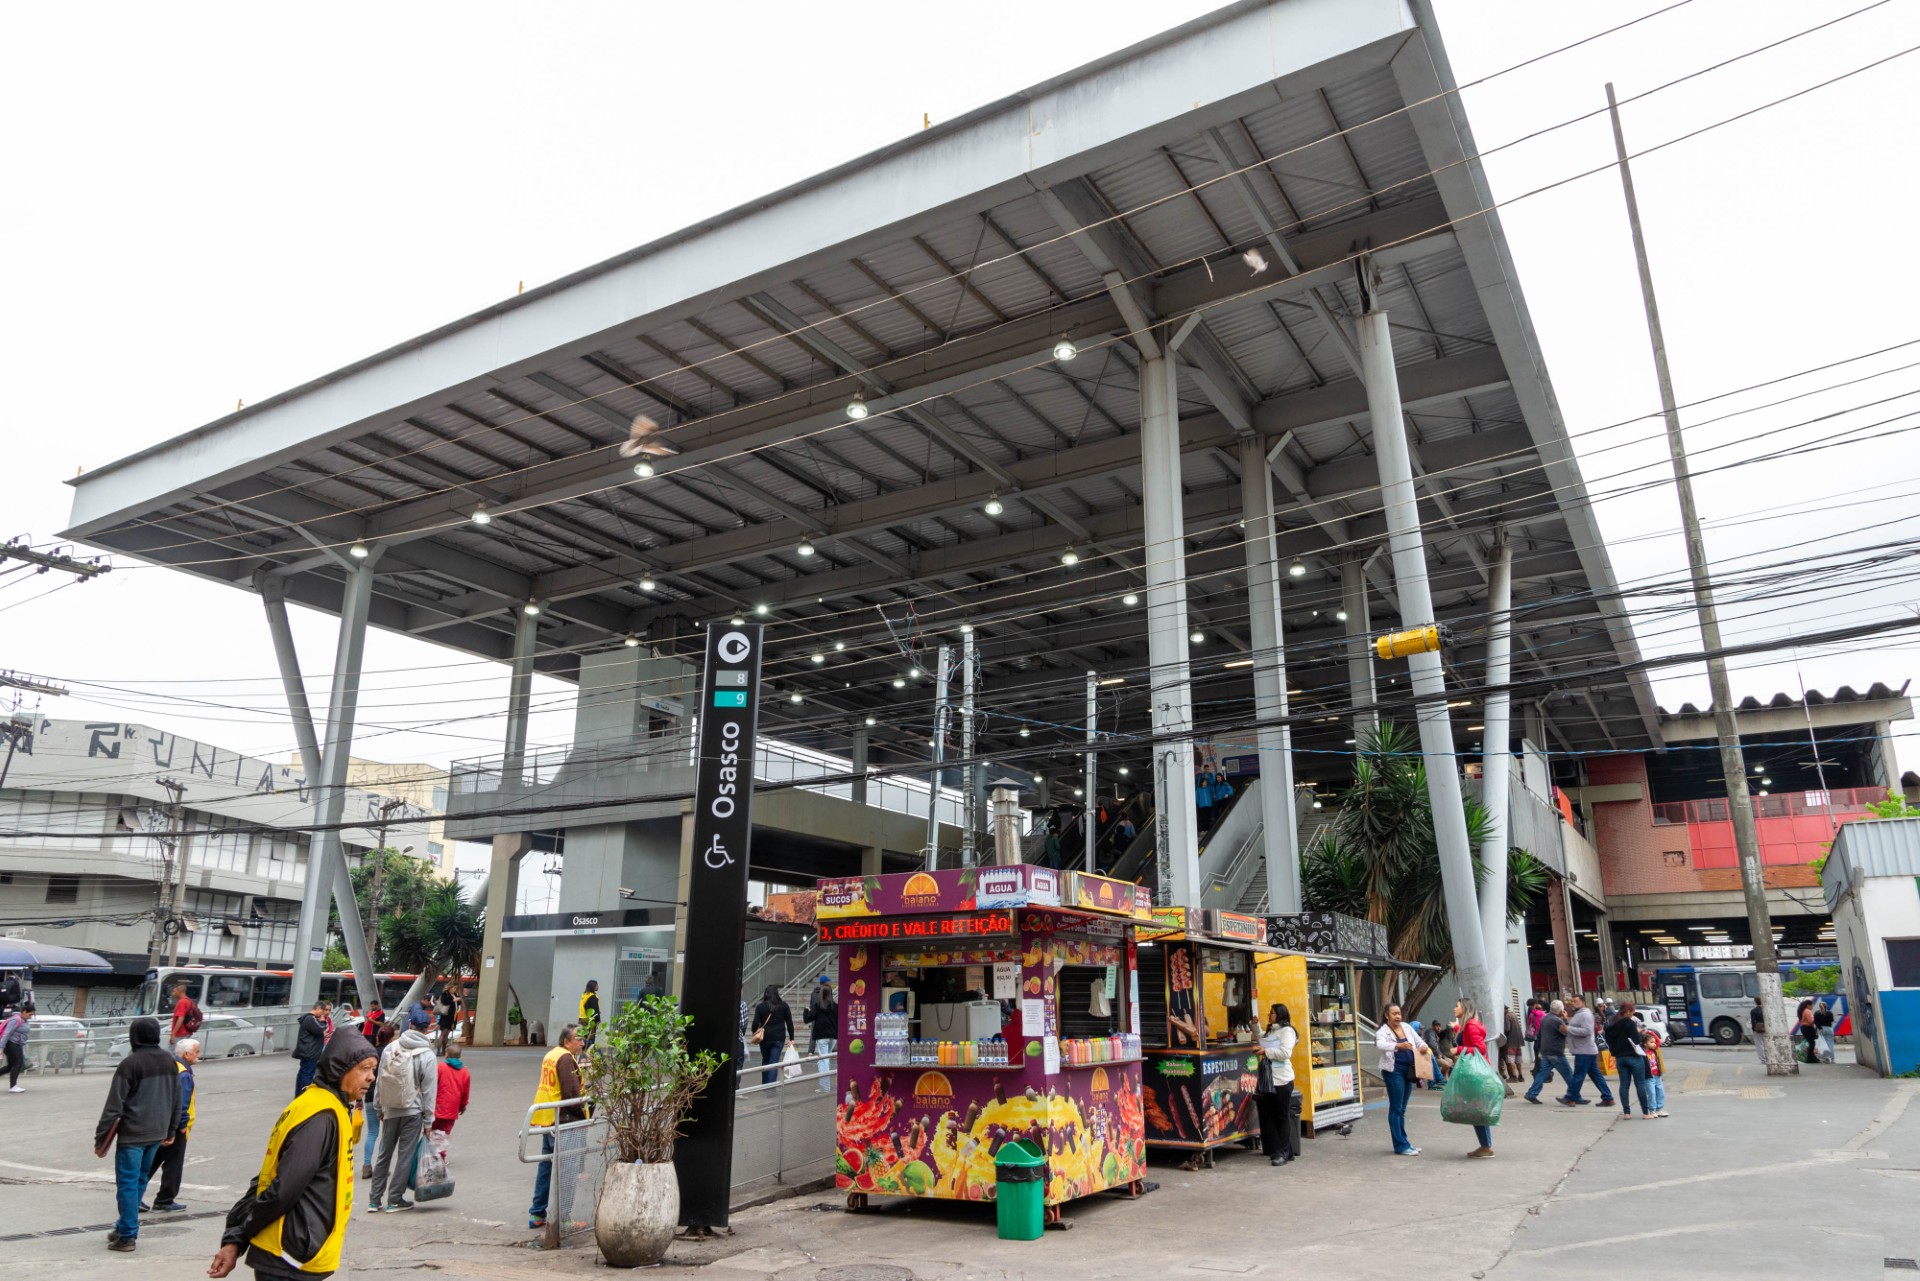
[(1091, 788), (379, 872), (1733, 762), (166, 917), (16, 549), (970, 809), (18, 726), (940, 711)]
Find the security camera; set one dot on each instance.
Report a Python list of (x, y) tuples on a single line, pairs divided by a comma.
[(627, 893)]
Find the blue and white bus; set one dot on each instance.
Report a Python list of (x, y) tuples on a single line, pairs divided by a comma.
[(1714, 999)]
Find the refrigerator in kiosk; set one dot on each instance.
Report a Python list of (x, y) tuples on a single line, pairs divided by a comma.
[(981, 1006)]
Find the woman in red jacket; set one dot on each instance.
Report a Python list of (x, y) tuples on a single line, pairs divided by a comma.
[(1473, 1040)]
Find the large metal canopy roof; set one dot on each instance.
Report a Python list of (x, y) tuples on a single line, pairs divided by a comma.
[(933, 279)]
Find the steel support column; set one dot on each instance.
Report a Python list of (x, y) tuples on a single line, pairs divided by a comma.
[(1267, 631), (502, 889), (939, 755), (1496, 758), (1359, 624), (858, 761), (519, 696), (273, 596), (1424, 670), (326, 860), (1090, 789), (1170, 693), (970, 805)]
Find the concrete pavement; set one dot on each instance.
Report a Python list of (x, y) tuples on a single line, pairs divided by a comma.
[(1749, 1177)]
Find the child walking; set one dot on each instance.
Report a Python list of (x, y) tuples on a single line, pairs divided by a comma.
[(1656, 1073)]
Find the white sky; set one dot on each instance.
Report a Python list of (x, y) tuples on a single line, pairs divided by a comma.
[(226, 200)]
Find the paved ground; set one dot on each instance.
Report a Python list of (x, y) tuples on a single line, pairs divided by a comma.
[(1815, 1175)]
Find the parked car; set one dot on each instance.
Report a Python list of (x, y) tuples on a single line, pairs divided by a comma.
[(221, 1036), (57, 1042)]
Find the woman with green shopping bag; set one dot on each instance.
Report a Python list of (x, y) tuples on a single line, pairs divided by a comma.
[(1474, 1092)]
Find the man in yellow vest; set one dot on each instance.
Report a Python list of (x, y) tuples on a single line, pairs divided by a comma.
[(559, 1081), (292, 1219), (173, 1158)]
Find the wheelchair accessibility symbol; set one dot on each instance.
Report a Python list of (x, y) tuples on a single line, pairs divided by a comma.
[(717, 856)]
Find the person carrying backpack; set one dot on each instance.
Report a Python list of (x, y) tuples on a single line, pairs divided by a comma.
[(404, 1090), (186, 1014)]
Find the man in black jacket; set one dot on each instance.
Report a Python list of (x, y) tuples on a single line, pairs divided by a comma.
[(292, 1219), (1550, 1052), (142, 1113), (314, 1026)]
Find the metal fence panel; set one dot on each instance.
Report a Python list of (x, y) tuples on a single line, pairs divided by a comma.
[(783, 1132)]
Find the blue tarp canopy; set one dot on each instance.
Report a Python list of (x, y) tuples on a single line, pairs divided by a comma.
[(19, 954)]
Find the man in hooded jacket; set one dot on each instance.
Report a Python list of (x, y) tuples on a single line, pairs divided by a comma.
[(292, 1219), (140, 1117)]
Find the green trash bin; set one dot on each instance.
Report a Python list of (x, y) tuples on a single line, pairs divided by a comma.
[(1020, 1177)]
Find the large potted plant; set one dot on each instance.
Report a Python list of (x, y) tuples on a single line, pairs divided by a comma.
[(642, 1079)]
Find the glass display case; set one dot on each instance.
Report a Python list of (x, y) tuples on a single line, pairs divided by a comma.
[(1333, 1093)]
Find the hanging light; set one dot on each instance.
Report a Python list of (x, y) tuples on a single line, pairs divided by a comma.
[(358, 551), (1198, 637), (1025, 732), (839, 645), (796, 697), (643, 469), (1069, 557), (761, 609), (819, 658), (1079, 792), (480, 515), (632, 641), (1131, 598), (531, 609), (804, 549), (898, 683), (1316, 803), (736, 620), (1340, 614), (1298, 569), (1123, 771), (966, 629), (857, 407), (1766, 782), (994, 506), (1065, 348), (872, 721), (647, 584), (914, 673)]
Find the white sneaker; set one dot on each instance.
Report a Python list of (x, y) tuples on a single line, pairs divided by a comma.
[(17, 1089)]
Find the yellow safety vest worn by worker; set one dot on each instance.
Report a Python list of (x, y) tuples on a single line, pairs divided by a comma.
[(549, 1091), (587, 1016), (193, 1104), (312, 1101)]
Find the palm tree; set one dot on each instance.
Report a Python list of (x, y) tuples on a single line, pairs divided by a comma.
[(1378, 858), (445, 936)]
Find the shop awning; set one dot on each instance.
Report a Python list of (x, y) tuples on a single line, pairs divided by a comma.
[(20, 954)]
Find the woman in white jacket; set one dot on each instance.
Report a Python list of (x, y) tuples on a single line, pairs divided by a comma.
[(1274, 1094), (1400, 1047)]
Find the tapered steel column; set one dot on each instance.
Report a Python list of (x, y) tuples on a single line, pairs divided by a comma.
[(1424, 670), (1176, 820), (1267, 630), (1496, 759)]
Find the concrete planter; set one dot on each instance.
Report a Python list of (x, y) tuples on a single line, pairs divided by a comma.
[(638, 1212)]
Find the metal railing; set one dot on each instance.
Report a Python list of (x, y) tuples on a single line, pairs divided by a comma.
[(783, 1130), (56, 1043), (576, 1153)]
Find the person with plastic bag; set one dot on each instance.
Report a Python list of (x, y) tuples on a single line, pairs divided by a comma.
[(1474, 1092)]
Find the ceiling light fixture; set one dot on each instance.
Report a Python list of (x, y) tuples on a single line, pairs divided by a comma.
[(1025, 732), (1198, 637), (1298, 569), (966, 629), (1114, 680), (1340, 614), (480, 515), (796, 697), (857, 407), (1123, 771), (804, 549), (1130, 599), (736, 620), (632, 641), (872, 721), (358, 551), (531, 609), (1065, 349), (647, 584), (1069, 557), (819, 658), (761, 610), (643, 469), (1239, 662), (993, 505), (839, 645), (1317, 803), (898, 683)]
